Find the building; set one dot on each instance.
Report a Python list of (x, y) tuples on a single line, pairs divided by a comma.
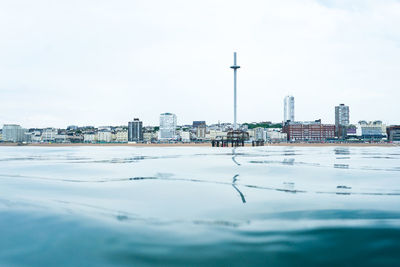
[(351, 131), (198, 123), (72, 128), (200, 129), (371, 130), (288, 112), (14, 133), (135, 131), (393, 133), (259, 134), (342, 120), (275, 135), (216, 134), (104, 136), (313, 131), (122, 136), (89, 137), (185, 136), (49, 135), (167, 129)]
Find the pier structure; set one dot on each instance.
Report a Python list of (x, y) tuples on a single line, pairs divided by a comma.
[(235, 137)]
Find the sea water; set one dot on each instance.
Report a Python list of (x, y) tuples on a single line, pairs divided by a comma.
[(195, 206)]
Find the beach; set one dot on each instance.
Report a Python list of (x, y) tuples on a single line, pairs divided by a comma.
[(200, 144)]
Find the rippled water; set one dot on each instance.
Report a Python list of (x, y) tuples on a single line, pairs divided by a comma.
[(192, 206)]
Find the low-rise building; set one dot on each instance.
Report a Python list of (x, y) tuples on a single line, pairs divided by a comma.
[(49, 135), (215, 134), (371, 130), (121, 136), (104, 136), (89, 137), (311, 131), (259, 134), (393, 133), (275, 136), (185, 136)]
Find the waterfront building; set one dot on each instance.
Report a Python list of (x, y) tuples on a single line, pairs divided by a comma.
[(216, 134), (104, 136), (371, 130), (150, 137), (351, 131), (185, 136), (201, 132), (274, 135), (122, 136), (89, 137), (393, 133), (60, 138), (167, 129), (1, 135), (135, 131), (312, 131), (14, 133), (259, 134), (288, 112), (200, 129), (342, 120), (49, 135)]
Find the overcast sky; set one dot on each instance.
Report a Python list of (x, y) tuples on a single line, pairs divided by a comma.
[(107, 62)]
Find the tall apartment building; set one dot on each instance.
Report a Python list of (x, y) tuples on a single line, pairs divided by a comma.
[(14, 133), (167, 126), (288, 112), (135, 131), (342, 120), (313, 131)]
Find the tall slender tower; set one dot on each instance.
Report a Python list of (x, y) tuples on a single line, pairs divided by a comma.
[(234, 67), (288, 112)]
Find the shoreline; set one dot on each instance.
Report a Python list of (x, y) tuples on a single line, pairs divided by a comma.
[(198, 145)]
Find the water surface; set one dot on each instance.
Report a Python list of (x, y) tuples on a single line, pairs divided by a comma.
[(193, 206)]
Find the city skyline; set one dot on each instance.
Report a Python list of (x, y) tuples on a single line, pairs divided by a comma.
[(174, 57)]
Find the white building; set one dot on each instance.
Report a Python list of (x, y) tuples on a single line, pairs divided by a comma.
[(167, 126), (288, 112), (121, 136), (185, 136), (14, 133), (215, 134), (89, 137), (372, 129), (275, 135), (49, 134), (150, 136), (259, 134), (104, 136)]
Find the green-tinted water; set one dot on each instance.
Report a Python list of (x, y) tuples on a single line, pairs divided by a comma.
[(95, 206)]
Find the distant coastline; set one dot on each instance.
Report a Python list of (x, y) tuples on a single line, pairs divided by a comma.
[(198, 144)]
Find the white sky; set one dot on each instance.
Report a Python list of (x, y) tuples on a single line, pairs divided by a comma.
[(106, 62)]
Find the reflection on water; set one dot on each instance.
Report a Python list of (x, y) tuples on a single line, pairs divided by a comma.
[(234, 186), (341, 166), (175, 206), (342, 151)]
